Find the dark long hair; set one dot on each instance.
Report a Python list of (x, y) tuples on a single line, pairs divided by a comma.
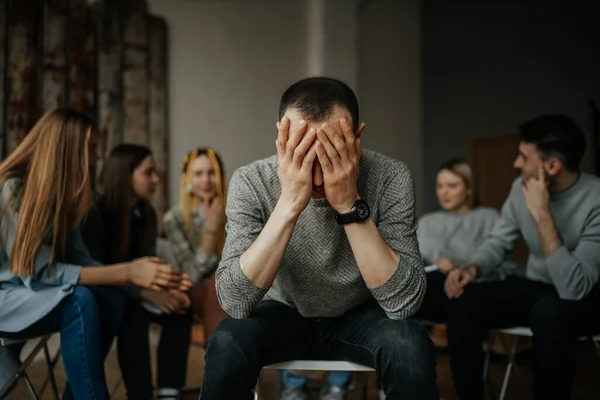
[(118, 201)]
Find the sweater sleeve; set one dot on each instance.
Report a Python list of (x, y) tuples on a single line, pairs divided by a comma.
[(237, 294), (575, 273), (94, 237), (401, 296)]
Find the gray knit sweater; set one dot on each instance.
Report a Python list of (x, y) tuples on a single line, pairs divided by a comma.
[(573, 269), (319, 275)]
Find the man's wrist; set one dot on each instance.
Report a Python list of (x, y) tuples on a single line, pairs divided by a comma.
[(286, 211), (347, 205)]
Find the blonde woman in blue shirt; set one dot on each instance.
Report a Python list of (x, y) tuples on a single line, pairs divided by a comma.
[(48, 281)]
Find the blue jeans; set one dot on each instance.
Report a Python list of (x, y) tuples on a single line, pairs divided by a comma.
[(400, 350), (336, 378), (87, 321)]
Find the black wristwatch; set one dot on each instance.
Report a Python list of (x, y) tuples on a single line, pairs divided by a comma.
[(359, 212)]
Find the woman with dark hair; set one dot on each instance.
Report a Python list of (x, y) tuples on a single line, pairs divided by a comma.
[(121, 225), (447, 238), (196, 230), (48, 280)]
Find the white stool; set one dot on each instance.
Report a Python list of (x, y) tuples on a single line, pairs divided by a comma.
[(312, 365)]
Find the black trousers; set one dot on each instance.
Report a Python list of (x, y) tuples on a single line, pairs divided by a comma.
[(436, 305), (400, 350), (556, 326), (133, 349)]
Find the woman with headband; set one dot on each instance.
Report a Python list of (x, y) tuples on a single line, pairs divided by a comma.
[(196, 230)]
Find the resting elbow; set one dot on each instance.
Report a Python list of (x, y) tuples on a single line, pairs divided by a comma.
[(577, 291)]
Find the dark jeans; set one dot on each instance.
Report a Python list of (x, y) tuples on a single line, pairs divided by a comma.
[(87, 322), (133, 350), (400, 350), (556, 325), (436, 305)]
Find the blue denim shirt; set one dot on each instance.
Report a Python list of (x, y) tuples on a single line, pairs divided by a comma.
[(24, 301)]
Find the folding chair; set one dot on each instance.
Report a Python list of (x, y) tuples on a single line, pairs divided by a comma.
[(41, 344), (310, 365), (511, 351)]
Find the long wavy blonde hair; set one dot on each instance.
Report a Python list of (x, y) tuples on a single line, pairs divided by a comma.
[(52, 164)]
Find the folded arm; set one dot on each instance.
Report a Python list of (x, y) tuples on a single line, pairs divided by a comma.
[(387, 254)]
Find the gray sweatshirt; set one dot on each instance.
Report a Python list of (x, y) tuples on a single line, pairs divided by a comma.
[(573, 269), (456, 236), (318, 274)]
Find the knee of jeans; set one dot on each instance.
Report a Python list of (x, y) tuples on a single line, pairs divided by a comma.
[(227, 341), (548, 315), (80, 304), (407, 345), (83, 296)]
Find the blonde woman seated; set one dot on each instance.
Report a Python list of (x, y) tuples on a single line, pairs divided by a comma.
[(447, 238), (196, 231)]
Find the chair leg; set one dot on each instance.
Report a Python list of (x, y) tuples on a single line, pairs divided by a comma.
[(30, 387), (50, 363), (486, 365), (508, 350), (596, 346), (511, 362)]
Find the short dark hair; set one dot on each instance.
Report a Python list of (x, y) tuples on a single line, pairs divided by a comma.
[(555, 135), (316, 97)]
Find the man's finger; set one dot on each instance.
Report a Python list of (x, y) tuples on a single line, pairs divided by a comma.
[(323, 158), (296, 133), (327, 146), (338, 142), (350, 139), (309, 158), (302, 148), (283, 130)]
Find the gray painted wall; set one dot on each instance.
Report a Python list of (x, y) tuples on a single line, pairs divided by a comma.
[(489, 65)]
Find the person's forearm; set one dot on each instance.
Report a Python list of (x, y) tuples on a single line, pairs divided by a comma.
[(113, 275), (549, 237), (376, 261), (208, 242), (260, 263)]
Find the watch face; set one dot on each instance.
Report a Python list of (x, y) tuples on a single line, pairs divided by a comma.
[(362, 210)]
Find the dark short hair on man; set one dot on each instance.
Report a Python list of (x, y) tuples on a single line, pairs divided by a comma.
[(316, 97), (555, 136)]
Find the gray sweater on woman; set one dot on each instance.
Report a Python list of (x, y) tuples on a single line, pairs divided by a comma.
[(457, 236)]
